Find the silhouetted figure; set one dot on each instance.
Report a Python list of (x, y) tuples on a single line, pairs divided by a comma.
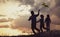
[(41, 23), (48, 21), (33, 21)]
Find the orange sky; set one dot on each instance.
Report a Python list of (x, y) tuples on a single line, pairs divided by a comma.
[(15, 14)]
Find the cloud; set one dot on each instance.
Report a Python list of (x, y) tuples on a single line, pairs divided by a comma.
[(3, 20), (54, 5), (56, 11), (57, 2), (4, 26), (55, 20), (27, 2), (21, 22), (56, 8), (35, 4)]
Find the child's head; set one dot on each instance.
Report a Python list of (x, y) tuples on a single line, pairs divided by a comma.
[(48, 15), (42, 16), (32, 12)]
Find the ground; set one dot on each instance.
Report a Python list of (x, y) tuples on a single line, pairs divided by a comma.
[(54, 33)]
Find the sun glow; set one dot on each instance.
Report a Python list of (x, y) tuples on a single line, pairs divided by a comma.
[(12, 32), (9, 32), (10, 11)]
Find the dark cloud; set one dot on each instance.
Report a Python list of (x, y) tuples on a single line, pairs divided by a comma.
[(55, 20), (39, 6), (35, 4), (27, 2), (35, 8), (53, 11), (56, 11), (57, 2)]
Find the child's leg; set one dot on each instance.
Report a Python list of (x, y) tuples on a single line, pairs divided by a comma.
[(41, 28)]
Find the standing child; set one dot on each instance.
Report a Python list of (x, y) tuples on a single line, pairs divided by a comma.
[(33, 21), (48, 21), (41, 23)]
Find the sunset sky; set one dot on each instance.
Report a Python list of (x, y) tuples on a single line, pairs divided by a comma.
[(14, 14)]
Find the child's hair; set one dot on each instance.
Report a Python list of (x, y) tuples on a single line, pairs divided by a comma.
[(32, 12), (42, 16)]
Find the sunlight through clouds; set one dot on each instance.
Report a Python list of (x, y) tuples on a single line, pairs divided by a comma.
[(15, 13), (12, 10)]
